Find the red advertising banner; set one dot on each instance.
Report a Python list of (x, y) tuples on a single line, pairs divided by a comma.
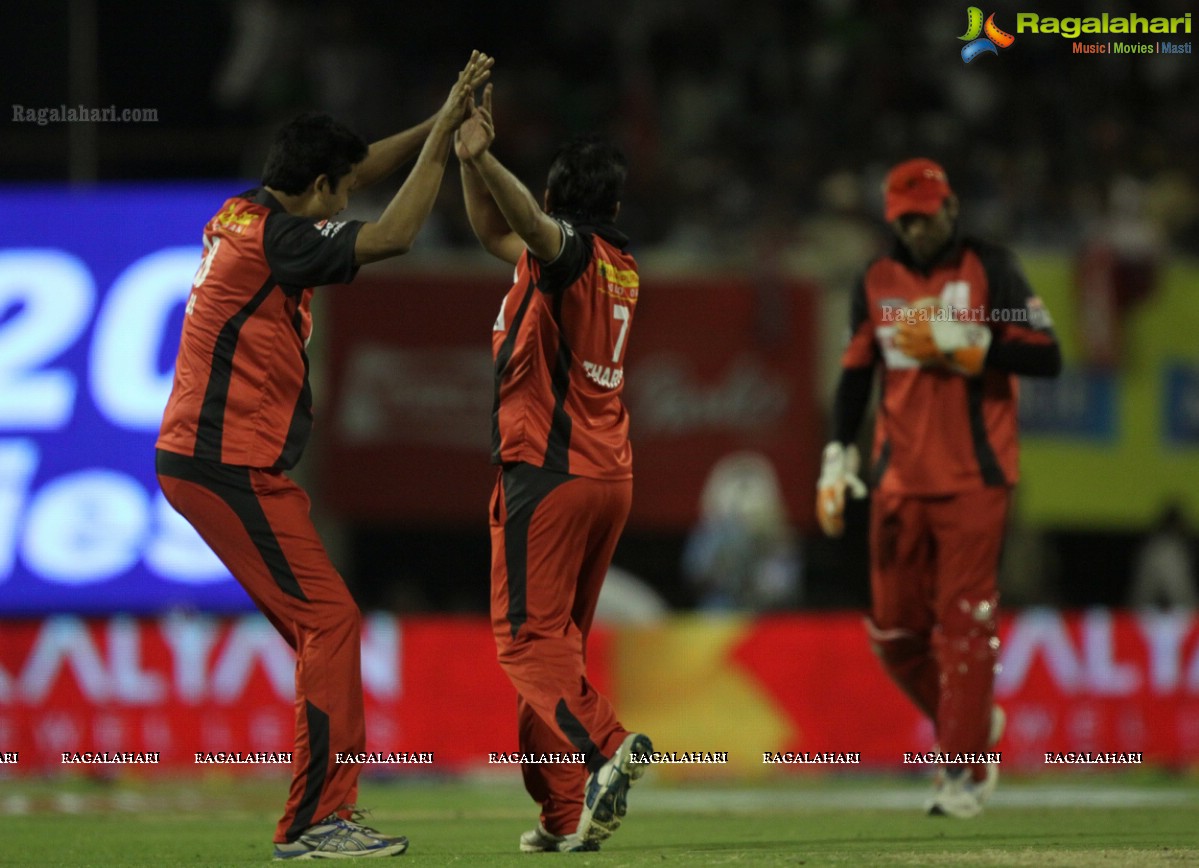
[(179, 686), (715, 365), (1096, 682)]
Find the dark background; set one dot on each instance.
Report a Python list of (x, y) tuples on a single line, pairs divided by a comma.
[(742, 120)]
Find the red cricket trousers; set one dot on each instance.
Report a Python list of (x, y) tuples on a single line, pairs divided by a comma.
[(934, 595), (552, 539), (257, 523)]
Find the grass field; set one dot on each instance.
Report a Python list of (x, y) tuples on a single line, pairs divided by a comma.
[(1084, 820)]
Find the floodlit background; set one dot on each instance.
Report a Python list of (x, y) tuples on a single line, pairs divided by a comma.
[(758, 135)]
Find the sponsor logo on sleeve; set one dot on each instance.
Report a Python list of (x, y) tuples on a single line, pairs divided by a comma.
[(329, 228), (1038, 314)]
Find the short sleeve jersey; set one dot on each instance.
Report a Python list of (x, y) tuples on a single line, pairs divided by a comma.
[(559, 346), (241, 394), (938, 432)]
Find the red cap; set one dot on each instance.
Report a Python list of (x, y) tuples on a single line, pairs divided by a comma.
[(916, 186)]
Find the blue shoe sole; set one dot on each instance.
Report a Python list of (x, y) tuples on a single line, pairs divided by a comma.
[(609, 804)]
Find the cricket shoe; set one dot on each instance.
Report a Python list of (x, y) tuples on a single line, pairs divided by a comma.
[(605, 798), (335, 838), (935, 805), (540, 841), (962, 797)]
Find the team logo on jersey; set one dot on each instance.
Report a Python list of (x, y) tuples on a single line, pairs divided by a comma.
[(982, 38), (622, 283), (234, 222)]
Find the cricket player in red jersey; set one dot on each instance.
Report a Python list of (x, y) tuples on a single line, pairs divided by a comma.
[(560, 436), (240, 411), (952, 322)]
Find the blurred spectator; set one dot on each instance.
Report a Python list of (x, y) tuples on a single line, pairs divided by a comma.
[(262, 70), (743, 554), (726, 104), (1163, 573), (1116, 271)]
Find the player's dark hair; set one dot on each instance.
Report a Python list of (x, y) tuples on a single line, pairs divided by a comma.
[(308, 146), (586, 179)]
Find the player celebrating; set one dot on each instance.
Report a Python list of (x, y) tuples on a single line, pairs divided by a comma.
[(240, 411), (560, 434), (951, 321)]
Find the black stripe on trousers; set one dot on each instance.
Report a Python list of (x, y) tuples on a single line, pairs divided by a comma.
[(314, 775), (232, 485), (579, 736), (525, 486)]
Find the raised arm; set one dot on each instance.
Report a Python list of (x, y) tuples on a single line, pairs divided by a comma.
[(503, 213), (396, 229), (389, 154)]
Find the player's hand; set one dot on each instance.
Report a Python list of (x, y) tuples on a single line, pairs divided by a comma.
[(477, 132), (930, 337), (462, 95), (838, 472)]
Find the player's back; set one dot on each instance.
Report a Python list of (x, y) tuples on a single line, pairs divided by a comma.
[(560, 343), (241, 374)]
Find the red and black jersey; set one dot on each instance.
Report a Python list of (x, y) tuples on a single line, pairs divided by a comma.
[(241, 393), (939, 432), (559, 345)]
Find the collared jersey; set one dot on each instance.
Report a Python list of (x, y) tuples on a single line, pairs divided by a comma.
[(559, 344), (938, 432), (241, 394)]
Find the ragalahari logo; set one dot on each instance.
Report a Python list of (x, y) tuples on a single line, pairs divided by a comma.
[(981, 38)]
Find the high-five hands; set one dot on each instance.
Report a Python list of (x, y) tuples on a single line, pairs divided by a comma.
[(477, 131), (460, 103)]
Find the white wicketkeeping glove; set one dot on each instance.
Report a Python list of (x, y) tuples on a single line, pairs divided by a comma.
[(838, 471), (931, 340)]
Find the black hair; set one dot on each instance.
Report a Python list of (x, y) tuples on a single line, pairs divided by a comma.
[(308, 146), (586, 179)]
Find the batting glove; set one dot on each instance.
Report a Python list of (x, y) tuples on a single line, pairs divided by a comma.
[(839, 471)]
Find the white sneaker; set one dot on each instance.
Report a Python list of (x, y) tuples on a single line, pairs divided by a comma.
[(960, 796), (335, 838), (540, 841), (986, 787), (605, 799), (982, 789)]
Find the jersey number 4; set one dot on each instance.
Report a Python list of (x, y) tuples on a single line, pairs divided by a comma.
[(202, 272), (205, 264)]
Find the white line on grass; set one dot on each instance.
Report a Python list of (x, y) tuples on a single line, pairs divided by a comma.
[(703, 799)]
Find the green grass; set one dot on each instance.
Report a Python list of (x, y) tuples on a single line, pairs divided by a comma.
[(1086, 820)]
